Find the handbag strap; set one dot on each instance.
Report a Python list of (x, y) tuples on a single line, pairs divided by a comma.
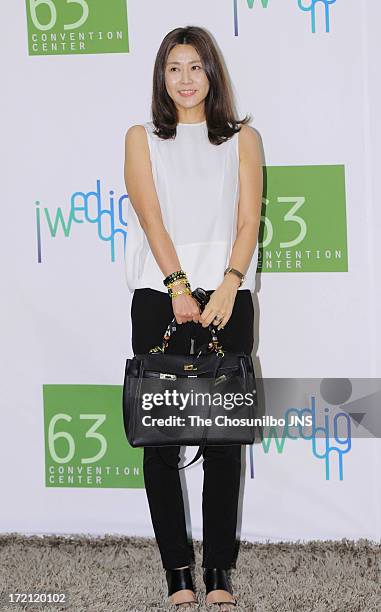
[(213, 345), (176, 467), (204, 438)]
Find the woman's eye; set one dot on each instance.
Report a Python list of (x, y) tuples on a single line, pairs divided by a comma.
[(175, 68)]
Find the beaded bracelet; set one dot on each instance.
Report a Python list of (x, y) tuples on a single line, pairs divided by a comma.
[(178, 277), (174, 276)]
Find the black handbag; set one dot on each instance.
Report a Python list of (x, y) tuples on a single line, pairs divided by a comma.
[(153, 379)]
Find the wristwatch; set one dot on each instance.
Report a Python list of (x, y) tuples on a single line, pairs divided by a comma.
[(237, 273)]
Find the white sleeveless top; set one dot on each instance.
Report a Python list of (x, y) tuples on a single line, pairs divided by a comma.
[(197, 184)]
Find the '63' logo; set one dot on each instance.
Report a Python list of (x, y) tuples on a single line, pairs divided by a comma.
[(59, 27), (304, 226), (52, 9), (85, 440), (289, 214)]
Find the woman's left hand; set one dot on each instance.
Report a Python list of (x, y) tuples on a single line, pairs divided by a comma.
[(221, 303)]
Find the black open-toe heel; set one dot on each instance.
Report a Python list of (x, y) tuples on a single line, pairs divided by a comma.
[(218, 579), (179, 580)]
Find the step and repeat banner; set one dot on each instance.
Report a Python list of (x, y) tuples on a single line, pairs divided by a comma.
[(75, 76)]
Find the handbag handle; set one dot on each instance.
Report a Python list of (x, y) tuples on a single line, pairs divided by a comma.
[(202, 298)]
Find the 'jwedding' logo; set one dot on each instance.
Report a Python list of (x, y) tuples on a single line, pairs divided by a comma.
[(308, 6), (330, 440), (107, 213)]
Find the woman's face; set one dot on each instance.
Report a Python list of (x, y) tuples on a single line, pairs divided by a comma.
[(185, 79)]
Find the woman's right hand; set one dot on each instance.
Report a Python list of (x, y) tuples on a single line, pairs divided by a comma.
[(185, 307)]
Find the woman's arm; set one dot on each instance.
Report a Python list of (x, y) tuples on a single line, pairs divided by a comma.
[(143, 197), (248, 220), (250, 199)]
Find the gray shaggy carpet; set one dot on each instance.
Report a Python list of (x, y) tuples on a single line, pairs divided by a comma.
[(124, 574)]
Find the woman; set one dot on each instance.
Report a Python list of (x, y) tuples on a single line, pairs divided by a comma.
[(194, 179)]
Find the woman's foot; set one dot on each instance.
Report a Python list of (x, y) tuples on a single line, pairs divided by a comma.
[(184, 599), (180, 588), (186, 606), (219, 594), (222, 600)]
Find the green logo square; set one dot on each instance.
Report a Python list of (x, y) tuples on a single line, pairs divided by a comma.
[(69, 27), (304, 226), (85, 442)]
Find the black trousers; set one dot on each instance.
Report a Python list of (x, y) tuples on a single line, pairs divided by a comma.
[(151, 311)]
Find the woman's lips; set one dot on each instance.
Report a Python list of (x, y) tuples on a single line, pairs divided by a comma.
[(187, 94)]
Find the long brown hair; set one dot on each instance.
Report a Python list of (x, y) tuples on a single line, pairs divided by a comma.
[(220, 113)]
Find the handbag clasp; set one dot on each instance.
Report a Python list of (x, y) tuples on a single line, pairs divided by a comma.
[(189, 366)]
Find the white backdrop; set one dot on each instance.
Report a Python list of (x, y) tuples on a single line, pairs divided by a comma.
[(314, 98)]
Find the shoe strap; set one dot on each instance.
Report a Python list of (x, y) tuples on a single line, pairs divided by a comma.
[(216, 578), (178, 580)]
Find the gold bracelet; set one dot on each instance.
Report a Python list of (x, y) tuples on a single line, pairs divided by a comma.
[(180, 281), (176, 293)]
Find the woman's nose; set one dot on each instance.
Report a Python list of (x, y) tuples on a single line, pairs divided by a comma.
[(186, 77)]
